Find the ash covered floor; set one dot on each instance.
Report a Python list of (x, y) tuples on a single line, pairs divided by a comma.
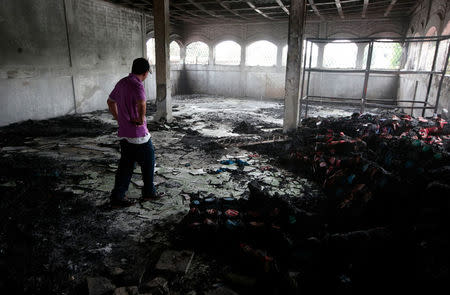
[(59, 236)]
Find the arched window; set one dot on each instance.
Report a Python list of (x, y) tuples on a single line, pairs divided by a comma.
[(227, 53), (197, 53), (315, 54), (151, 51), (174, 52), (261, 53), (385, 55), (340, 54)]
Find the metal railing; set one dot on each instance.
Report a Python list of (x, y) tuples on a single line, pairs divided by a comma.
[(406, 57)]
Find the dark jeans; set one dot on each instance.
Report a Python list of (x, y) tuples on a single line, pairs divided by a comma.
[(144, 155)]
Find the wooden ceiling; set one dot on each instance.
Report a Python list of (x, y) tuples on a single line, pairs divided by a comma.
[(226, 11)]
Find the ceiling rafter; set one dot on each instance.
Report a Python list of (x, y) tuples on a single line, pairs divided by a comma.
[(315, 9), (184, 18), (283, 6), (374, 9), (181, 17), (258, 11), (229, 9), (197, 19), (334, 2), (178, 7), (218, 11), (202, 8), (132, 4), (148, 3), (339, 8), (388, 10), (366, 4)]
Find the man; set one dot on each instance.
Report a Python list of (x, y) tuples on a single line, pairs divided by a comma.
[(127, 105)]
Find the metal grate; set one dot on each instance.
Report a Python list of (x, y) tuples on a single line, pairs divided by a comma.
[(425, 61), (261, 53), (227, 53), (197, 53), (314, 51), (385, 55), (174, 52), (315, 54), (340, 55)]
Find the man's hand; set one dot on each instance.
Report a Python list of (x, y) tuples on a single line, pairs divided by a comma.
[(112, 106), (137, 121), (141, 107)]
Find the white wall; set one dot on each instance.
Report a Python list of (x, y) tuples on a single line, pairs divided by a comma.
[(63, 56)]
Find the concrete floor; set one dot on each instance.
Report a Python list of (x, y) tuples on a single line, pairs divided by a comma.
[(57, 230), (85, 236)]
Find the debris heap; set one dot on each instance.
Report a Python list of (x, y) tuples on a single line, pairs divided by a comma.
[(384, 221)]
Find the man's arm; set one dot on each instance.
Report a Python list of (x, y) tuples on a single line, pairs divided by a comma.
[(112, 106), (142, 108)]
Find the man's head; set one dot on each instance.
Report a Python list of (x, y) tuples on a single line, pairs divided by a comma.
[(140, 68)]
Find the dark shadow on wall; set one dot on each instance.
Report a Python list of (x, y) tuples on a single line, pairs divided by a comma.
[(183, 86)]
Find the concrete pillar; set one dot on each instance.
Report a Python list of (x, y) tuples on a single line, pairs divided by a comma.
[(243, 71), (211, 55), (243, 49), (182, 54), (280, 55), (323, 27), (297, 19), (320, 51), (163, 86), (143, 35), (360, 55)]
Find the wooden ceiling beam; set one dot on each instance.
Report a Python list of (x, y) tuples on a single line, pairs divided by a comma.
[(339, 8), (366, 4), (204, 11), (372, 6), (283, 6), (315, 9), (178, 7), (334, 2), (202, 8), (257, 10), (229, 9), (388, 10)]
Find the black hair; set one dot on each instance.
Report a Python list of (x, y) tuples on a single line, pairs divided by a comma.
[(140, 66)]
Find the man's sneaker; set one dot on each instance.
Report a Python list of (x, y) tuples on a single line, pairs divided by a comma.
[(152, 197), (120, 203)]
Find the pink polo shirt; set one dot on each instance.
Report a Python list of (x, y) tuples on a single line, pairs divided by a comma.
[(127, 92)]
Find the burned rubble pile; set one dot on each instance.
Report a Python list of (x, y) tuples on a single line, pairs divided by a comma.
[(244, 127), (67, 126), (254, 236), (384, 221), (374, 166), (390, 171)]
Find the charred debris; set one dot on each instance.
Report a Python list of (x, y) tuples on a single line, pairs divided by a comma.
[(370, 209)]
